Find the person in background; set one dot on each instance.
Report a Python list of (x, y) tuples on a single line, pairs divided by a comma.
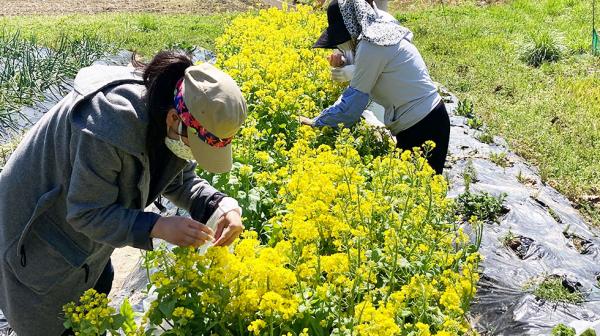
[(77, 185), (381, 4), (388, 69)]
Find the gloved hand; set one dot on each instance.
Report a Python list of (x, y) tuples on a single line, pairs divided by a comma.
[(343, 74)]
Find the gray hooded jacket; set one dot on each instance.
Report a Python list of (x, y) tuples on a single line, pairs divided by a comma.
[(74, 190)]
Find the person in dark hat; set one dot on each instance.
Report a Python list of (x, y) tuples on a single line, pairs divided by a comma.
[(381, 4), (387, 69)]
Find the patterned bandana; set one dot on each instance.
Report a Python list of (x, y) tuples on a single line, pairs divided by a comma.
[(365, 23), (193, 124)]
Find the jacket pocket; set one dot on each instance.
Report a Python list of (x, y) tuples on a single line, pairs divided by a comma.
[(45, 255)]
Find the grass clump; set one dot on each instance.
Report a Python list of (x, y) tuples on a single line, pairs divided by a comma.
[(541, 48), (553, 289), (486, 137), (465, 108), (563, 330), (500, 159), (588, 332), (483, 205)]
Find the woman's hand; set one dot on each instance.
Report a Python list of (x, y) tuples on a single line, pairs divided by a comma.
[(306, 121), (182, 231), (229, 228), (336, 60)]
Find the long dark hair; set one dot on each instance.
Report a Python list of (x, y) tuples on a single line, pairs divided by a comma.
[(160, 77)]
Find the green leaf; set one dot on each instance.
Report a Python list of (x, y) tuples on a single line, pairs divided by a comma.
[(167, 307), (67, 324), (129, 326)]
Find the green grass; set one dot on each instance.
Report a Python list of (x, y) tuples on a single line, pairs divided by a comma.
[(548, 114), (146, 33)]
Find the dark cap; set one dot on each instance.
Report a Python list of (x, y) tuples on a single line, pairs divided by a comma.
[(336, 32)]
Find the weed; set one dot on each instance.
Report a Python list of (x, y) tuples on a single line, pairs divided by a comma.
[(182, 45), (500, 159), (521, 178), (520, 245), (541, 48), (555, 288), (554, 215), (484, 206), (580, 244), (508, 238), (469, 175), (588, 332), (486, 137), (563, 330), (8, 148), (465, 108), (475, 123)]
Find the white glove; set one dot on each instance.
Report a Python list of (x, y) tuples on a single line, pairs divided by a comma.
[(343, 74), (227, 204)]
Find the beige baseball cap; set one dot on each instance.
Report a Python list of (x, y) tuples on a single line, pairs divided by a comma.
[(218, 110)]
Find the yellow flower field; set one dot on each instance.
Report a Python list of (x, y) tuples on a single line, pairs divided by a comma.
[(346, 235)]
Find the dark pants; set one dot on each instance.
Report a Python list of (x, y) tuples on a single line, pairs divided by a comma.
[(103, 285), (435, 127)]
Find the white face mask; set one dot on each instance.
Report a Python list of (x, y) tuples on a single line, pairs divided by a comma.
[(178, 147)]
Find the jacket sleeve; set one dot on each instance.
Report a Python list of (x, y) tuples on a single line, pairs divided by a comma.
[(92, 198), (346, 110), (196, 195)]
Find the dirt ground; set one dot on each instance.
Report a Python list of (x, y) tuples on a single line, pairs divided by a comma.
[(124, 261), (20, 7)]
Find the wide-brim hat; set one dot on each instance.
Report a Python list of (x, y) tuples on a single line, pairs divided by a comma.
[(336, 32), (217, 110)]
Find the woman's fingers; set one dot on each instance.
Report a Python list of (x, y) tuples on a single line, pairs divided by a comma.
[(199, 235), (201, 227), (229, 235), (221, 225)]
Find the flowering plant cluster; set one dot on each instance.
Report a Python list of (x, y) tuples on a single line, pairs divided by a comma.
[(356, 249), (93, 316), (347, 236)]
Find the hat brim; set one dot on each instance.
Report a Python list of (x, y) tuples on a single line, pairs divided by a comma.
[(215, 160), (324, 41), (330, 39)]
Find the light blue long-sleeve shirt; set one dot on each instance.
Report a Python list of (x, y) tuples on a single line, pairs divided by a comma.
[(346, 110)]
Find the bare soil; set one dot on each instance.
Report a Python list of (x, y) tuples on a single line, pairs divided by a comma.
[(53, 7)]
